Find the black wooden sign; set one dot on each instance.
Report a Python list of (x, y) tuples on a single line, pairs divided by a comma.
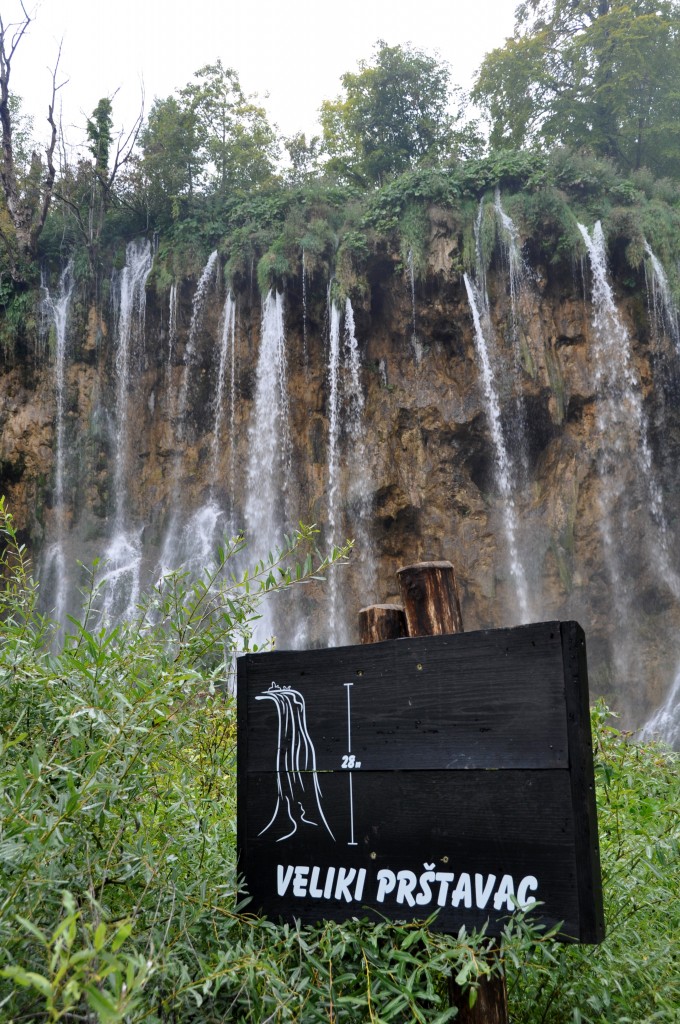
[(450, 774)]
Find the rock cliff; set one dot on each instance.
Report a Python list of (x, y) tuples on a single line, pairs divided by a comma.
[(518, 421)]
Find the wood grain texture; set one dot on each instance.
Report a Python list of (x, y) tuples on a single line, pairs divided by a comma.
[(381, 622), (429, 591), (463, 749)]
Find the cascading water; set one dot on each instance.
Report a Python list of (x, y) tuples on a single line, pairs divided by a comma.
[(171, 555), (268, 444), (415, 341), (54, 573), (227, 365), (505, 473), (622, 423), (123, 555), (333, 467), (665, 315), (345, 423), (504, 479), (197, 314), (360, 483), (520, 312), (664, 723), (305, 349)]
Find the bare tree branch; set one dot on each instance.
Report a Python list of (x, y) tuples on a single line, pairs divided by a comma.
[(28, 202)]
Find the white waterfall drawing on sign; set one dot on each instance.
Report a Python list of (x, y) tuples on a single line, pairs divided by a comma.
[(298, 792)]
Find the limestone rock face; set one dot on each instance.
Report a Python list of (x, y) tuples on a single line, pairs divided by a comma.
[(586, 520)]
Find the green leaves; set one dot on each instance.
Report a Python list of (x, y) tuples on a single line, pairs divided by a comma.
[(118, 872), (599, 75)]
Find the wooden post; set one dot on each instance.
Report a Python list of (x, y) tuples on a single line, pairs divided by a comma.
[(432, 608), (381, 622), (430, 595)]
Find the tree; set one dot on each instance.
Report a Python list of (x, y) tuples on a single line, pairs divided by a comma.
[(208, 138), (27, 185), (601, 74), (237, 145), (90, 189), (170, 161), (395, 114)]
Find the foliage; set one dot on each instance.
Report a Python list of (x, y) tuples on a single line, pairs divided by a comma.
[(634, 976), (208, 138), (117, 864), (394, 115), (100, 136), (603, 74)]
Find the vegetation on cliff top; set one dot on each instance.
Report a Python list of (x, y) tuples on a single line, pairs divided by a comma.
[(581, 106)]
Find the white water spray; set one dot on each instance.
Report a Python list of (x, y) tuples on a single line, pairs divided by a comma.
[(622, 423), (504, 475), (57, 310)]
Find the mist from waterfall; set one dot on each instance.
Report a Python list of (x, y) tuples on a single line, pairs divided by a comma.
[(55, 569), (623, 430), (269, 454), (622, 421)]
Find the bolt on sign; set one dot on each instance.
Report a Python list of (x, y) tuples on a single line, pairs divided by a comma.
[(449, 774)]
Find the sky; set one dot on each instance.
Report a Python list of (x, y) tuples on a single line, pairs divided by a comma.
[(292, 54)]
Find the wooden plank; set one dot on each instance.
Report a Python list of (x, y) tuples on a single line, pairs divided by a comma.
[(582, 777), (473, 700)]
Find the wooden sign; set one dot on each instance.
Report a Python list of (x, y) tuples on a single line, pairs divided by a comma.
[(449, 774)]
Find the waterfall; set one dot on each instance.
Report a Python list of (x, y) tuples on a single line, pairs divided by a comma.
[(170, 555), (305, 349), (345, 424), (520, 312), (227, 365), (57, 310), (415, 342), (360, 484), (665, 316), (336, 627), (503, 466), (622, 424), (130, 290), (269, 447), (172, 322), (664, 723), (197, 313), (123, 555), (505, 470)]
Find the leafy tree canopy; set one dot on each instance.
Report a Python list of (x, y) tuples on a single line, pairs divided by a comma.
[(601, 74), (395, 114), (210, 137)]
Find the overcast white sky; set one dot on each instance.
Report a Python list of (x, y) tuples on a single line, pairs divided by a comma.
[(293, 52)]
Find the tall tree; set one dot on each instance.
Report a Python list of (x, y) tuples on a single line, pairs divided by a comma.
[(27, 186), (602, 74), (237, 145), (396, 113)]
